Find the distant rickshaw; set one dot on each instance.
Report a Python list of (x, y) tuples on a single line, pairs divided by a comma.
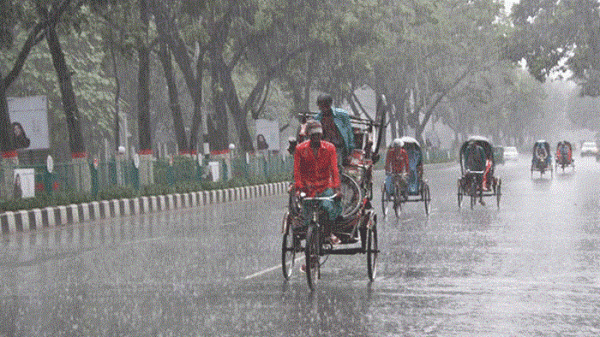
[(413, 188), (477, 179), (564, 156), (542, 158)]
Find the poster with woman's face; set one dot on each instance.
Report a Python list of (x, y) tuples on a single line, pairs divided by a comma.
[(267, 134), (29, 118)]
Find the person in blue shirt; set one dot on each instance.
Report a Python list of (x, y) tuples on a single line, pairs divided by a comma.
[(337, 128)]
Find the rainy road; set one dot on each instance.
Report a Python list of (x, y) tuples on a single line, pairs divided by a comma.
[(529, 268)]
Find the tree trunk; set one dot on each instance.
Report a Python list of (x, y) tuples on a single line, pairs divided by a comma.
[(144, 129), (76, 143), (6, 136), (216, 139), (9, 159), (117, 95), (431, 108), (178, 124), (192, 75), (196, 136), (231, 96), (144, 138), (81, 172), (219, 132)]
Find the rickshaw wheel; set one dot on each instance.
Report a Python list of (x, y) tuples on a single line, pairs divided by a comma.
[(383, 202), (473, 192), (397, 202), (425, 194), (288, 248), (459, 193), (498, 192), (312, 252), (352, 196), (372, 246)]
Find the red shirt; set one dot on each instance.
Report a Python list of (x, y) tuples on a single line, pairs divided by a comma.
[(315, 173), (396, 160)]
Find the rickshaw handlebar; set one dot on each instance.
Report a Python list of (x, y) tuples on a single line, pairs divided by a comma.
[(474, 172), (303, 197)]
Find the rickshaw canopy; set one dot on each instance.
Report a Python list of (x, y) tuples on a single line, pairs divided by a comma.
[(544, 144), (412, 143), (564, 142), (484, 142)]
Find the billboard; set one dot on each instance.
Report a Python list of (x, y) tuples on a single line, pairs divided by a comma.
[(24, 183), (267, 135), (29, 116)]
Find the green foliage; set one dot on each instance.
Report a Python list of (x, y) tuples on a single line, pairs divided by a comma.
[(93, 87), (288, 49), (117, 192), (553, 36)]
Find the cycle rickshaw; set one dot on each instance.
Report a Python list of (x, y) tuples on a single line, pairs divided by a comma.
[(542, 158), (564, 156), (356, 227), (412, 188), (478, 184)]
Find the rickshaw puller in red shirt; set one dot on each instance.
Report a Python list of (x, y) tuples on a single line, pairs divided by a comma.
[(396, 162), (316, 174)]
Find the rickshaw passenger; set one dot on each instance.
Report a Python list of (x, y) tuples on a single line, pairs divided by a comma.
[(559, 153), (541, 155), (316, 174), (486, 175), (475, 160), (565, 153), (396, 162), (337, 128), (415, 165)]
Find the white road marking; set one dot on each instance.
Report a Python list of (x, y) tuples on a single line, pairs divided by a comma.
[(268, 270)]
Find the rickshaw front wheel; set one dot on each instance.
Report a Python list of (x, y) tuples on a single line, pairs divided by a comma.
[(288, 248), (426, 196), (498, 193), (459, 193), (383, 201), (312, 251), (372, 246)]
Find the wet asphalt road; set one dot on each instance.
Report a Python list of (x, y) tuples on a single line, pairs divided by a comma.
[(528, 268)]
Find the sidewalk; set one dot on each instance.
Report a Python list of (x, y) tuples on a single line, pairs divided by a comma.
[(26, 220)]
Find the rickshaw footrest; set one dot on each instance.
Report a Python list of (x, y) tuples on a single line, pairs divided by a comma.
[(347, 251)]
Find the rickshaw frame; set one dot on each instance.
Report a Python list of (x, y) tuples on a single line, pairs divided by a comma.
[(536, 165), (469, 182), (421, 194), (560, 162), (356, 228)]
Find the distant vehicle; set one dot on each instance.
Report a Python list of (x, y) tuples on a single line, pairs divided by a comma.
[(478, 184), (511, 153), (564, 155), (589, 149), (541, 160)]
